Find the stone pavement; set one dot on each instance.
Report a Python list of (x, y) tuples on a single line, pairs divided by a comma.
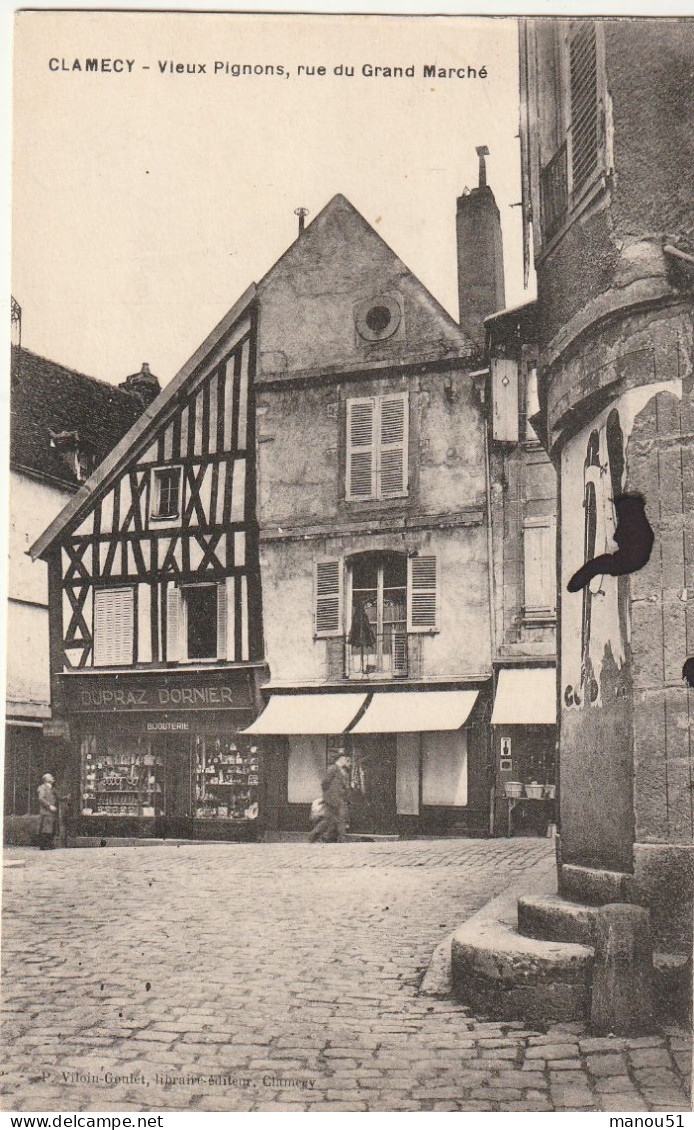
[(281, 977)]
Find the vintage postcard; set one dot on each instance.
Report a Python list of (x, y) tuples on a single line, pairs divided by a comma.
[(348, 759)]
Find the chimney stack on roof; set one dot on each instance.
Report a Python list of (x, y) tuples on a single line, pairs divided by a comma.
[(302, 213), (143, 386), (480, 255)]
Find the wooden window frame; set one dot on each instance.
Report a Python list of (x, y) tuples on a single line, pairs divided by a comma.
[(156, 518)]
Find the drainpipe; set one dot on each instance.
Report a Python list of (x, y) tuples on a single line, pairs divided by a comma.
[(481, 381), (492, 602)]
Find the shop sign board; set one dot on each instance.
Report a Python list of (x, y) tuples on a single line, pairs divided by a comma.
[(113, 695)]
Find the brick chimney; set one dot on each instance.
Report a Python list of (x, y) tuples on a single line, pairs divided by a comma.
[(143, 386), (480, 255)]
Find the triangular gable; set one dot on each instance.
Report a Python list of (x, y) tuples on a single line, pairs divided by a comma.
[(310, 303), (143, 438)]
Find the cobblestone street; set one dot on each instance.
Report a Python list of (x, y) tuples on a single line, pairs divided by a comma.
[(281, 976)]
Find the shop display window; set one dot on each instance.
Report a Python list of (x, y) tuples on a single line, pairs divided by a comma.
[(121, 776), (226, 777)]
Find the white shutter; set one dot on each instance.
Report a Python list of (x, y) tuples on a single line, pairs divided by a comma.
[(504, 399), (392, 464), (422, 594), (174, 623), (361, 448), (222, 620), (328, 587), (144, 624), (230, 605), (114, 618), (539, 568)]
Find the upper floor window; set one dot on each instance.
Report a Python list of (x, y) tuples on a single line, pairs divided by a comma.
[(377, 639), (196, 622), (166, 492), (371, 603), (377, 442), (572, 125), (114, 622)]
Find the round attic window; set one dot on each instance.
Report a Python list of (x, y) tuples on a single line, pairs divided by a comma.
[(378, 318)]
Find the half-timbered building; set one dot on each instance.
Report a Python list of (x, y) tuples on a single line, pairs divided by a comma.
[(62, 424), (156, 633)]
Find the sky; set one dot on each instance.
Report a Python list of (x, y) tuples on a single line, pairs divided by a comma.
[(144, 203)]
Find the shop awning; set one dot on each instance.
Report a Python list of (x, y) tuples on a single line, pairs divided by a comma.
[(526, 696), (413, 712), (307, 714)]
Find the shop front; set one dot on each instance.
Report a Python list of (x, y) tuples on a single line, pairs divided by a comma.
[(418, 759), (163, 755), (524, 739)]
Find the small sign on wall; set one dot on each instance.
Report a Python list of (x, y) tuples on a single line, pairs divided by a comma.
[(506, 759)]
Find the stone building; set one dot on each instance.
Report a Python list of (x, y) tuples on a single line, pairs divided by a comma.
[(62, 424), (608, 151), (523, 511), (373, 540)]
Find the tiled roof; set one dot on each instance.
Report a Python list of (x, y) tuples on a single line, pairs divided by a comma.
[(47, 398)]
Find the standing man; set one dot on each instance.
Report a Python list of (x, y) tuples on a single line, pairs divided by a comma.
[(48, 812), (332, 826)]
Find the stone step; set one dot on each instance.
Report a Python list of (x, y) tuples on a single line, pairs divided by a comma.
[(554, 919), (505, 975)]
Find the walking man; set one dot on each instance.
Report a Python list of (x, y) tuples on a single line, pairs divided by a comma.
[(48, 813), (332, 826)]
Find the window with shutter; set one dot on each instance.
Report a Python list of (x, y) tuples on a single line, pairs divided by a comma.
[(583, 79), (377, 435), (422, 594), (539, 569), (328, 593), (114, 619), (201, 603)]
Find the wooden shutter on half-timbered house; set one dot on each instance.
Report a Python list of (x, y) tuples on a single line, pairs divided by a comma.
[(222, 620), (174, 623), (114, 620)]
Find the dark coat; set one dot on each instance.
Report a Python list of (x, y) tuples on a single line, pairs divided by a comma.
[(332, 826), (335, 786), (47, 800)]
